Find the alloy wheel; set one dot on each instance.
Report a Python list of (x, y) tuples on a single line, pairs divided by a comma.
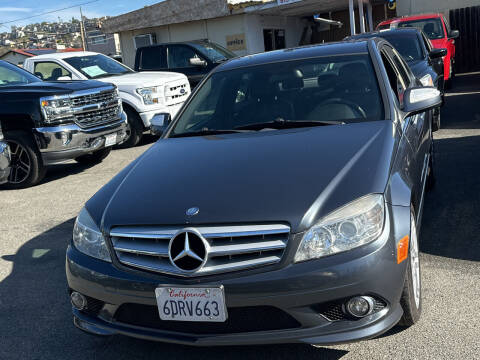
[(415, 261), (20, 164)]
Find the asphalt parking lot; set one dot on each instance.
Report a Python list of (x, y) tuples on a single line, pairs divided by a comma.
[(36, 224)]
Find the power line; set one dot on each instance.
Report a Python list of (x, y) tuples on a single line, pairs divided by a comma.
[(48, 12)]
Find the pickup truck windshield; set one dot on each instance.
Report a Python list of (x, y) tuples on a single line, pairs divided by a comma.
[(97, 66), (432, 27), (214, 52), (12, 75), (328, 90)]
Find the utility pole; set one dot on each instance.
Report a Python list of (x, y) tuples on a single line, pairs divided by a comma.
[(82, 30)]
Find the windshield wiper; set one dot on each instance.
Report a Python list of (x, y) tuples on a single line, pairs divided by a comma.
[(287, 124), (205, 132)]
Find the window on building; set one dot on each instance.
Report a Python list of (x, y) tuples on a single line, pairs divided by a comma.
[(274, 39), (50, 71)]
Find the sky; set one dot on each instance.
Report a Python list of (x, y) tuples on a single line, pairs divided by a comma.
[(14, 9)]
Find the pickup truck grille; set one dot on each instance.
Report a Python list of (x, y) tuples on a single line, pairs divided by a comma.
[(230, 248), (176, 92), (96, 108)]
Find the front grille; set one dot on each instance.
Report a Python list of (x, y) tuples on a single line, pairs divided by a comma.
[(94, 98), (176, 92), (96, 108), (240, 320), (97, 117), (231, 248)]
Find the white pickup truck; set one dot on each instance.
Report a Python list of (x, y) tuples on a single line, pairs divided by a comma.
[(147, 96)]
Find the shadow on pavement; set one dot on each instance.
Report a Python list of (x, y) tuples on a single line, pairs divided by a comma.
[(36, 321)]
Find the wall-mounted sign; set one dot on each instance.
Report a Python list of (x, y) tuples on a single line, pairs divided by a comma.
[(284, 2), (236, 42)]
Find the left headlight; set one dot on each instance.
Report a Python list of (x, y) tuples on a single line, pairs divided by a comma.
[(427, 80), (150, 95), (356, 224), (88, 238), (56, 109)]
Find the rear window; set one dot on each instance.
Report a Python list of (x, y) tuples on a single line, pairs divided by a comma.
[(433, 28), (333, 88)]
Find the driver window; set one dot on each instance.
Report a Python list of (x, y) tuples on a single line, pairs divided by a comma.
[(50, 71), (180, 56), (396, 82)]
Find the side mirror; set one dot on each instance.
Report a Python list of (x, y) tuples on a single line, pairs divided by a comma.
[(64, 78), (454, 34), (159, 123), (195, 61), (420, 99), (437, 53)]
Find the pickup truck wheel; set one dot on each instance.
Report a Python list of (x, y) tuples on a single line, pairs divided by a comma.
[(27, 167), (134, 129), (95, 157), (411, 300)]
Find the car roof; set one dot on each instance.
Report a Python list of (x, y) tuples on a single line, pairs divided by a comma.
[(303, 52), (65, 55), (190, 42), (411, 17)]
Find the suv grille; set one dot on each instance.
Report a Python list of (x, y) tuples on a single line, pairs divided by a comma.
[(176, 92), (231, 248), (96, 108)]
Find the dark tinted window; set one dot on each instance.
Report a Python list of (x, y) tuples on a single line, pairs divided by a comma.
[(408, 45), (151, 58), (338, 88), (179, 56), (433, 28), (214, 52), (13, 75)]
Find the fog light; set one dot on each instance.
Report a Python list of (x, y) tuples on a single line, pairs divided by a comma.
[(79, 301), (360, 306)]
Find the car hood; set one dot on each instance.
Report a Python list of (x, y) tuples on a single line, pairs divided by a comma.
[(144, 79), (54, 87), (294, 176)]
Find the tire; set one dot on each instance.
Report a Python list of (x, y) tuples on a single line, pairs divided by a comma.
[(134, 130), (27, 167), (436, 123), (94, 158), (411, 300)]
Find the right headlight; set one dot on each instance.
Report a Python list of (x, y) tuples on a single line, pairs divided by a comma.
[(88, 238), (150, 95), (57, 109), (356, 224)]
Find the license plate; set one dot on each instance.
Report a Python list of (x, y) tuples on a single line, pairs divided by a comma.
[(110, 140), (191, 304)]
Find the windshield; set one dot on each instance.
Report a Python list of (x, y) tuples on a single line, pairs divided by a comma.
[(407, 46), (432, 27), (13, 75), (327, 90), (214, 52), (97, 66)]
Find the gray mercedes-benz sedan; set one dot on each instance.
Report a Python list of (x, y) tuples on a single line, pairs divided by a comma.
[(282, 204)]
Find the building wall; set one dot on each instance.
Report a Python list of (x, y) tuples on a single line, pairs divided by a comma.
[(14, 58), (408, 7)]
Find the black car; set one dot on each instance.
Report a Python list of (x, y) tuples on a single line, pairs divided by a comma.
[(195, 59), (416, 49), (46, 123), (282, 204), (4, 159)]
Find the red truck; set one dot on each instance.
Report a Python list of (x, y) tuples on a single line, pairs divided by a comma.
[(437, 28)]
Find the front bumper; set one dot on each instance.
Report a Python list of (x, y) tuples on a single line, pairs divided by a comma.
[(61, 143), (4, 162), (147, 116), (298, 291)]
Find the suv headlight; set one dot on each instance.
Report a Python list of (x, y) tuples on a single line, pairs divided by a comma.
[(56, 109), (356, 224), (427, 80), (150, 95), (88, 238)]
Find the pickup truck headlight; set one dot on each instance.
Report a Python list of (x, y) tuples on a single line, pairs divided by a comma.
[(427, 80), (56, 109), (88, 239), (356, 224), (150, 95)]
